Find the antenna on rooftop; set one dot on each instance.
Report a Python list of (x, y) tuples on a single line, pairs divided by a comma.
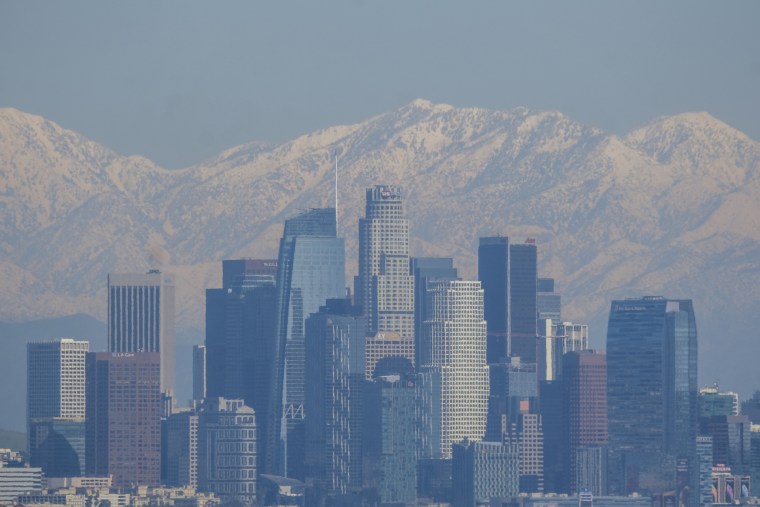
[(336, 192)]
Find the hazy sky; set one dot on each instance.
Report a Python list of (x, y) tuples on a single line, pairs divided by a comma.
[(179, 81)]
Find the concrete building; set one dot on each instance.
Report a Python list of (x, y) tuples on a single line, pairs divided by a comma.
[(15, 481), (141, 318), (199, 372), (384, 287), (56, 406), (482, 471), (182, 449), (124, 417), (457, 375), (227, 450)]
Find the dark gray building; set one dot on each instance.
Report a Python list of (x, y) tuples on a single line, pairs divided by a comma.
[(334, 397), (482, 471), (523, 300), (652, 394), (493, 273)]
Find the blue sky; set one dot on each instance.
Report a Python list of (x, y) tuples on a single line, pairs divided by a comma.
[(179, 81)]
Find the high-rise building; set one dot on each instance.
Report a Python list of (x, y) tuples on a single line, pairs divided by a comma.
[(384, 287), (585, 382), (651, 394), (484, 470), (124, 417), (241, 321), (397, 482), (754, 455), (457, 375), (424, 270), (553, 409), (141, 318), (493, 273), (527, 433), (311, 269), (549, 303), (704, 455), (523, 311), (182, 449), (227, 450), (333, 399), (751, 408), (513, 390), (591, 470), (199, 372), (56, 406)]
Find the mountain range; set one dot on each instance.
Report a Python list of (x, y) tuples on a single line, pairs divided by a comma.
[(671, 208)]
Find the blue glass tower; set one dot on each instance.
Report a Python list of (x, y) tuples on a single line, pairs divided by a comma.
[(310, 270), (652, 395)]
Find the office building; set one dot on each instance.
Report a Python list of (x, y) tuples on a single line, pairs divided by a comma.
[(553, 410), (585, 382), (549, 303), (424, 270), (241, 320), (227, 450), (182, 449), (124, 417), (141, 318), (493, 273), (56, 406), (384, 287), (590, 470), (15, 481), (513, 390), (457, 374), (751, 408), (333, 399), (651, 394), (527, 433), (704, 456), (482, 471), (199, 372), (311, 269), (523, 313)]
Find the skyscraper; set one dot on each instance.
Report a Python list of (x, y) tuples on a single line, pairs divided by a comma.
[(523, 312), (124, 417), (457, 375), (182, 449), (199, 372), (424, 270), (585, 381), (549, 303), (493, 273), (311, 269), (56, 406), (384, 287), (241, 321), (652, 394), (333, 399), (141, 318)]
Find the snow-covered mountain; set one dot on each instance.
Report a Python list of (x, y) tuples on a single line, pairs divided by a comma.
[(672, 208)]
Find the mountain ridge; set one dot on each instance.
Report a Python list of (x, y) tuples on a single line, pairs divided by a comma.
[(660, 209)]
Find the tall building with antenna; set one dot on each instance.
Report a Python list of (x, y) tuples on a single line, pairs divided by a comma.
[(384, 287), (310, 270)]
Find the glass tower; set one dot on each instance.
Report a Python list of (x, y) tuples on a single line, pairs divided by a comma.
[(652, 394), (310, 270)]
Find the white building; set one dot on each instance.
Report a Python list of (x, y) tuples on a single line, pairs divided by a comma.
[(15, 481), (385, 287), (458, 373)]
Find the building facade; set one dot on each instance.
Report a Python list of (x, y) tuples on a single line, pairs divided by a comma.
[(651, 394), (457, 372), (482, 471), (56, 406), (384, 287), (123, 426), (311, 269), (141, 318), (227, 450)]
